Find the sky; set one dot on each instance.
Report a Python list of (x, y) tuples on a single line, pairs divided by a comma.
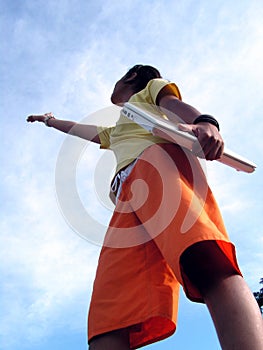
[(65, 56)]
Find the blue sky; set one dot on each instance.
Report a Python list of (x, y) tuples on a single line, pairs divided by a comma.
[(65, 56)]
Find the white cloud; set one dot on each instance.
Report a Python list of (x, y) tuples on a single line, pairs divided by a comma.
[(46, 269)]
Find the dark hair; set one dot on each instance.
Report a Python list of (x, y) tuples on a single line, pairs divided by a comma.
[(144, 75)]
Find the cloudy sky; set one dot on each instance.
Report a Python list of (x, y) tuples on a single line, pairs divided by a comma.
[(64, 56)]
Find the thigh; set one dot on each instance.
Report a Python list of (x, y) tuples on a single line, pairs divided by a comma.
[(206, 263), (117, 340)]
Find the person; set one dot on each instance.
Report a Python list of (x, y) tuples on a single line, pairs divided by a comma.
[(166, 229)]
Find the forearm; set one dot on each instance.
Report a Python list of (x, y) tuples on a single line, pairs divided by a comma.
[(62, 125), (210, 144), (184, 112), (87, 132)]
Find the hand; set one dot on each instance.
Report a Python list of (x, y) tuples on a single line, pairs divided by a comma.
[(210, 144), (38, 118)]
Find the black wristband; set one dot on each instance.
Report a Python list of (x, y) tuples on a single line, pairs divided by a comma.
[(207, 119)]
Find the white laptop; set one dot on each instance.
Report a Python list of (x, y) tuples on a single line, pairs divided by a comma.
[(184, 139)]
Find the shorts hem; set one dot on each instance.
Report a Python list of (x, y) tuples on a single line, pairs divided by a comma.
[(191, 292), (135, 325)]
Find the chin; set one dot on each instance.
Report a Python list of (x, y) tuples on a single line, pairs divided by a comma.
[(116, 101)]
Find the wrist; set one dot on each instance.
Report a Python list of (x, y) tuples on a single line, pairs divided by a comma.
[(206, 118), (47, 119)]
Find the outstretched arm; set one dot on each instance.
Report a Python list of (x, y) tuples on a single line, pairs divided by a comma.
[(210, 143), (88, 132)]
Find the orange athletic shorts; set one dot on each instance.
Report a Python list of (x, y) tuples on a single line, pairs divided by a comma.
[(165, 207)]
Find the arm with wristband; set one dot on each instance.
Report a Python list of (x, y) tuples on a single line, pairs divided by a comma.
[(203, 126), (84, 131)]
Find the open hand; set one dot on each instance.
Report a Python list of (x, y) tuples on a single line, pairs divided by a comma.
[(38, 118)]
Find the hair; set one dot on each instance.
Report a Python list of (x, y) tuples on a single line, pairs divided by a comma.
[(144, 75)]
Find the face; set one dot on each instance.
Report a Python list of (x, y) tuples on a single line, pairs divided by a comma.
[(117, 93), (122, 90)]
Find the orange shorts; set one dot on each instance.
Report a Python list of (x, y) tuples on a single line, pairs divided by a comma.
[(165, 207)]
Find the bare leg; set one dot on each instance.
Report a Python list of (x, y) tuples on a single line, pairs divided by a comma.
[(236, 314), (232, 306), (117, 340)]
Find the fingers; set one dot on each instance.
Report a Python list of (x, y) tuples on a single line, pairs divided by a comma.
[(185, 127), (210, 150), (209, 144), (31, 118)]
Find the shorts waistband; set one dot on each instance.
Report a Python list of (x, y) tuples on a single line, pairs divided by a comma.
[(118, 180)]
